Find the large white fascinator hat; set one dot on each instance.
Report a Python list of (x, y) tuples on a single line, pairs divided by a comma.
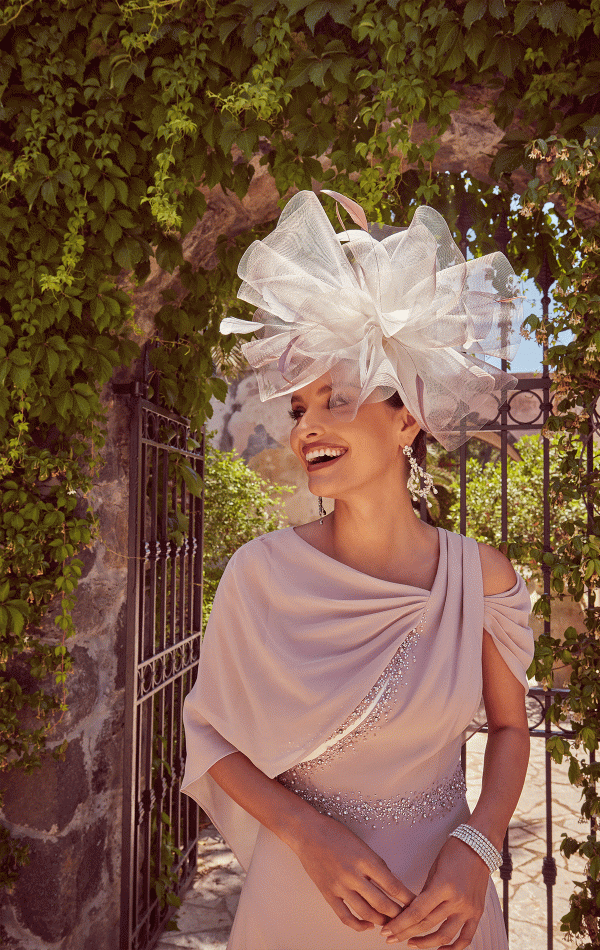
[(383, 310)]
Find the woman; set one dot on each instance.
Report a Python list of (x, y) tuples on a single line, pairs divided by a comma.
[(345, 658)]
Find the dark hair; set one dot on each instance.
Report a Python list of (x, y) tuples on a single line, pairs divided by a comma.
[(419, 445)]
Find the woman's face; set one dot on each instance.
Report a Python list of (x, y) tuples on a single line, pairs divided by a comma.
[(342, 456)]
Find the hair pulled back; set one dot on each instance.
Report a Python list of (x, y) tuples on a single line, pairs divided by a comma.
[(419, 445)]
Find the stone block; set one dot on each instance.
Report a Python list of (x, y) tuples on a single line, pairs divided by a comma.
[(62, 875), (108, 756), (121, 647), (46, 799), (92, 859), (82, 691), (45, 896)]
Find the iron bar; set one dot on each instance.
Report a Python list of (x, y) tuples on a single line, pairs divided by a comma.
[(165, 563)]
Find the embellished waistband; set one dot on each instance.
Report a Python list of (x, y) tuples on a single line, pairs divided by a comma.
[(432, 802)]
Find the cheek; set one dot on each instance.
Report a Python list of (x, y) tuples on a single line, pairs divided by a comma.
[(294, 439)]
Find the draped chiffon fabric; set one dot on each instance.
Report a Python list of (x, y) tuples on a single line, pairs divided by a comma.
[(355, 692)]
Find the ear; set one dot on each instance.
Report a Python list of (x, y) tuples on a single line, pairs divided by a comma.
[(408, 427)]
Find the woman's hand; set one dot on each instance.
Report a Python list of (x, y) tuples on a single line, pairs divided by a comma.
[(354, 881), (450, 904)]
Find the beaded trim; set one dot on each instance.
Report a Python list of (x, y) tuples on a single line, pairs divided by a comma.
[(361, 722), (434, 801)]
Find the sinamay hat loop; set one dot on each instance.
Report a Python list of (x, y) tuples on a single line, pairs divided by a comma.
[(383, 310)]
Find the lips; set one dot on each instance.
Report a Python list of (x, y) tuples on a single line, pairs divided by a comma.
[(322, 456)]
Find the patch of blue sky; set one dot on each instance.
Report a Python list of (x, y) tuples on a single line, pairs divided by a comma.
[(530, 353)]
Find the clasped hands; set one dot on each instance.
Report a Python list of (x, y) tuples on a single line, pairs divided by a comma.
[(364, 893)]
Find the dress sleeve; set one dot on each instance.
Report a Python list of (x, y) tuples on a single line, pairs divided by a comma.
[(204, 743), (505, 617)]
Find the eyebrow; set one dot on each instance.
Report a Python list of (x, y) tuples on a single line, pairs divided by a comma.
[(323, 389)]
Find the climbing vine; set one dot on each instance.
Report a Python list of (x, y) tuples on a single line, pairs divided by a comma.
[(116, 121)]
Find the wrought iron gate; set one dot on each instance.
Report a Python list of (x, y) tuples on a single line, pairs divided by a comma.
[(509, 426), (164, 621)]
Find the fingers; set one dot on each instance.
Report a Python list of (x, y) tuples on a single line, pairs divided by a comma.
[(363, 908), (423, 914), (347, 917), (380, 901), (432, 941), (390, 885), (465, 937), (453, 926)]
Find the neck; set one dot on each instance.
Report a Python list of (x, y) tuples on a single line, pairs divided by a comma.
[(381, 536)]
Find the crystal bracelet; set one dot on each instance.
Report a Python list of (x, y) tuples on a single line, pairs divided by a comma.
[(480, 844)]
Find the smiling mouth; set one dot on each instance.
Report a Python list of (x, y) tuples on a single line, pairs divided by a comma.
[(323, 459)]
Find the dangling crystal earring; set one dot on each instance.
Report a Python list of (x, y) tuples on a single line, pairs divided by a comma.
[(416, 474), (322, 511)]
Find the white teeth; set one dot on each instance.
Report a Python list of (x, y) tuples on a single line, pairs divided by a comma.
[(319, 453)]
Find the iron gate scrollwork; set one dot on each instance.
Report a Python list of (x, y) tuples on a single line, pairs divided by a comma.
[(164, 624)]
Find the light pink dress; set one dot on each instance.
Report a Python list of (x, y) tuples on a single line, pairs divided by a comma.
[(389, 768)]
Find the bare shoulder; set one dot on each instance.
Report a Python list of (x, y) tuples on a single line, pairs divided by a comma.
[(496, 569)]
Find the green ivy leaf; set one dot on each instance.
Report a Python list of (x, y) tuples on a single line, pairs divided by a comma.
[(32, 190), (17, 619), (192, 480), (64, 404), (105, 192), (315, 12), (49, 192), (497, 9), (52, 361), (474, 41), (474, 10), (550, 14), (20, 376), (102, 24), (112, 231), (169, 253), (525, 12), (127, 155)]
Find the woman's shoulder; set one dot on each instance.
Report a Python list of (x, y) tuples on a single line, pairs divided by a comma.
[(496, 570), (263, 544)]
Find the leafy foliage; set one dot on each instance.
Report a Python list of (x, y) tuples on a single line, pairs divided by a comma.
[(238, 505), (116, 120), (525, 501)]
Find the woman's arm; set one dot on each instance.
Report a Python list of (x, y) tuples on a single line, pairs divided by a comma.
[(354, 880), (454, 894)]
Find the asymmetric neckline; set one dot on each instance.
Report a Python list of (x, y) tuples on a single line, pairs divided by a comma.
[(442, 559)]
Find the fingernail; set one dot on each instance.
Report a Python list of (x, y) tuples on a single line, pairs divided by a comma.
[(386, 933)]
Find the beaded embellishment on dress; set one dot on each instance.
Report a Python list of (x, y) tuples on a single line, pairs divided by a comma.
[(362, 722), (432, 802), (436, 799)]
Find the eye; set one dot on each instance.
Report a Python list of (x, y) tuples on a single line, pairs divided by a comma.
[(295, 414), (340, 399)]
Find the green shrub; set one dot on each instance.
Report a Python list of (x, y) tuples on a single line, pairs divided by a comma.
[(238, 505)]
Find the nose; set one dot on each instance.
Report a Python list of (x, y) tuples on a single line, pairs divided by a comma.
[(311, 421)]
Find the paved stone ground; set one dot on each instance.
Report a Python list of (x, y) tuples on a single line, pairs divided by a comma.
[(209, 906)]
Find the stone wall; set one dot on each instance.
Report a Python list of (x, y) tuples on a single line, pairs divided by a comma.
[(69, 811)]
